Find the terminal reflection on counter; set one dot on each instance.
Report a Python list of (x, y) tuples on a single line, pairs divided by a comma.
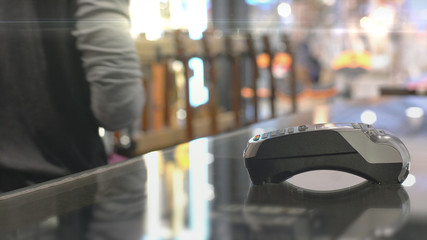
[(366, 211)]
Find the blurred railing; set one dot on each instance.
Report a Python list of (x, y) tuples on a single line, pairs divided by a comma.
[(169, 118)]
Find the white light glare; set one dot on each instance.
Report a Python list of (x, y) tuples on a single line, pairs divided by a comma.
[(284, 10), (368, 117), (385, 15), (329, 2), (257, 131), (199, 190), (124, 140), (196, 16), (409, 181), (101, 132), (145, 18), (199, 94), (152, 215), (181, 114), (414, 112), (380, 20), (366, 23)]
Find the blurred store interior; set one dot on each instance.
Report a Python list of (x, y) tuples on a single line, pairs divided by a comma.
[(211, 66)]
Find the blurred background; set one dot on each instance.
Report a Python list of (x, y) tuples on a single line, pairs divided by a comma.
[(211, 66), (216, 66)]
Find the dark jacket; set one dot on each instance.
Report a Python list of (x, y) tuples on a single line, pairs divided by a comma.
[(47, 129)]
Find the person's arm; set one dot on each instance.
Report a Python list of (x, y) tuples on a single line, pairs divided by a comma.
[(110, 61)]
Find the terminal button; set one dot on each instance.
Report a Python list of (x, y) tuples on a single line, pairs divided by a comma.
[(264, 136), (302, 128)]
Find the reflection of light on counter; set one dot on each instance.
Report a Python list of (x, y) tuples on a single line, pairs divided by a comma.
[(199, 189), (386, 232), (329, 125), (368, 117), (101, 132), (409, 181), (414, 112), (284, 10), (179, 199), (181, 156), (415, 117), (368, 223), (321, 114), (152, 216), (258, 2)]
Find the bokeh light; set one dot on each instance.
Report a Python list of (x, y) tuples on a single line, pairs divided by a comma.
[(368, 117), (284, 10)]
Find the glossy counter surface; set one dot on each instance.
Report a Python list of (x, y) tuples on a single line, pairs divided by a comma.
[(201, 190)]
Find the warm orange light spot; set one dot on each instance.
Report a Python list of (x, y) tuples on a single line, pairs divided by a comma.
[(263, 92), (283, 59), (263, 60), (352, 59), (247, 92)]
